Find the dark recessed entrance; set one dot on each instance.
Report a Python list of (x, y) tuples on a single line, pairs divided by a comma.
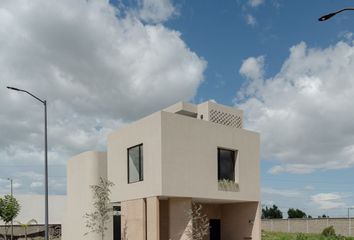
[(214, 231), (116, 223)]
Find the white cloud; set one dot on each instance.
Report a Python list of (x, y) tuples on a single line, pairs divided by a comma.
[(251, 20), (281, 192), (346, 35), (328, 200), (304, 113), (332, 203), (97, 69), (252, 68), (154, 11), (36, 184), (309, 188), (255, 3), (291, 168), (16, 185)]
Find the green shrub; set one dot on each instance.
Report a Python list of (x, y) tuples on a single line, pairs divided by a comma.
[(329, 232), (301, 236), (340, 237)]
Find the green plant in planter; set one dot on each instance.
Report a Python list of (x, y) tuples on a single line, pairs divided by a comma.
[(228, 185)]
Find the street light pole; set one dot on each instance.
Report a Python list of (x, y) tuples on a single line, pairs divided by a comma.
[(12, 194), (44, 102), (11, 186), (349, 222), (329, 15)]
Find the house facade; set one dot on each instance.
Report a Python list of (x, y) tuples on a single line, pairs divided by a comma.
[(160, 165)]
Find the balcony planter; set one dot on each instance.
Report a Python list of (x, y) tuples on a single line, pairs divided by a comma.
[(228, 186)]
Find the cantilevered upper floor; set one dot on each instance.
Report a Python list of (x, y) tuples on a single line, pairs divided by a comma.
[(186, 150)]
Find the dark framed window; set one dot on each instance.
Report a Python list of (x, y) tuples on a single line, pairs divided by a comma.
[(135, 164), (226, 164)]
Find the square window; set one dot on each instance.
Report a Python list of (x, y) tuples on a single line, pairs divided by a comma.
[(226, 164), (135, 164)]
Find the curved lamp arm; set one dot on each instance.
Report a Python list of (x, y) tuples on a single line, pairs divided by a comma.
[(329, 15)]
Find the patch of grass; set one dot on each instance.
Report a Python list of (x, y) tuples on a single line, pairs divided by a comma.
[(299, 236)]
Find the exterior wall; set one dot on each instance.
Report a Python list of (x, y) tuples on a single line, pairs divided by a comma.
[(83, 170), (240, 221), (32, 231), (189, 153), (205, 108), (140, 218), (148, 132), (133, 219), (184, 148), (183, 108), (164, 219), (178, 218), (153, 218), (212, 211), (309, 225)]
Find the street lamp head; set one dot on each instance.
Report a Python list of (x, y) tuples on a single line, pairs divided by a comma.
[(15, 89), (326, 17)]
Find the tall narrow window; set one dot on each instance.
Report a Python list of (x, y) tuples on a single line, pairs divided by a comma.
[(135, 164), (226, 164)]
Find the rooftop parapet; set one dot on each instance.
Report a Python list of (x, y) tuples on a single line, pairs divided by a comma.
[(210, 111), (183, 108)]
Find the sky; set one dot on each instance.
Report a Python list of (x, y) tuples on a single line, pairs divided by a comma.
[(103, 64)]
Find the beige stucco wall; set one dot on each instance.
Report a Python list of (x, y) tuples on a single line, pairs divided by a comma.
[(212, 211), (133, 219), (178, 218), (83, 170), (240, 221), (140, 218), (153, 218), (189, 153), (180, 158), (148, 132)]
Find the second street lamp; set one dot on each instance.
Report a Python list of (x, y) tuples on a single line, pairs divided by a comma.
[(12, 194), (329, 15), (44, 102)]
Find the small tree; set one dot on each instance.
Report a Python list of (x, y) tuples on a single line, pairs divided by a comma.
[(9, 209), (200, 223), (272, 212), (26, 225), (96, 221), (296, 213)]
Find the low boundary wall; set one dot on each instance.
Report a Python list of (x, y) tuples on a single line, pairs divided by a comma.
[(343, 226), (32, 231)]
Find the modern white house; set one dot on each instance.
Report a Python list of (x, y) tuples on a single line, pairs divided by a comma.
[(163, 163)]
